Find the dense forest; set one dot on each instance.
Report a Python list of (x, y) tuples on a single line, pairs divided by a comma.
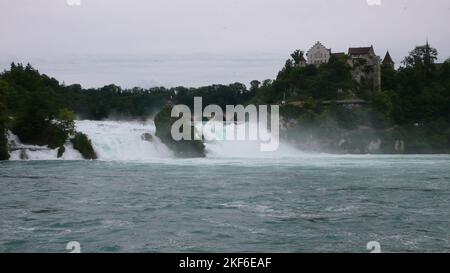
[(413, 105)]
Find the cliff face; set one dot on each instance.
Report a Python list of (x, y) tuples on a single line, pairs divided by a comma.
[(182, 148)]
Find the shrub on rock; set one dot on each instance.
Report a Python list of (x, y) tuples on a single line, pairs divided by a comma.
[(84, 145), (181, 148)]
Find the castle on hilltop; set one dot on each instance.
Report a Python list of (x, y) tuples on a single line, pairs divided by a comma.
[(366, 65)]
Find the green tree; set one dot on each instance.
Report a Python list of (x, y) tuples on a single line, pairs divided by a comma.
[(66, 121), (254, 85), (421, 55), (388, 78), (297, 56), (382, 107), (422, 60)]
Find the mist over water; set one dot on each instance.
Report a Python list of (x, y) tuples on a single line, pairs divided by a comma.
[(139, 198), (219, 146)]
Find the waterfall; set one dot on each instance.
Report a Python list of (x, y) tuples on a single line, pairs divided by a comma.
[(124, 140), (19, 151), (136, 141), (217, 146)]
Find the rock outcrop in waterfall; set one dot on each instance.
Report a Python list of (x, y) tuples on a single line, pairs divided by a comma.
[(182, 148)]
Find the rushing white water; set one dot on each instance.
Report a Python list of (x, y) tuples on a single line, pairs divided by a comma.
[(136, 141), (31, 152), (123, 140), (217, 144)]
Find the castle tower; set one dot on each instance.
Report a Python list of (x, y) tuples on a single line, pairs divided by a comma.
[(387, 61)]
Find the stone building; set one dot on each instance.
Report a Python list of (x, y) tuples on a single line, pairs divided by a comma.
[(366, 66), (318, 54), (339, 55)]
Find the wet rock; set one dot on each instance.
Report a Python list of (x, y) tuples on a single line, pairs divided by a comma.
[(374, 146), (147, 137), (61, 151), (23, 154), (399, 146), (183, 148)]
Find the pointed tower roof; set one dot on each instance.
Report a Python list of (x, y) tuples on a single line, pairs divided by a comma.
[(388, 59)]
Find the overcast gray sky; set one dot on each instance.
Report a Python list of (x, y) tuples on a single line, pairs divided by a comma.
[(196, 42)]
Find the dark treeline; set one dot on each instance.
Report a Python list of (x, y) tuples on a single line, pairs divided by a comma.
[(25, 88), (414, 98)]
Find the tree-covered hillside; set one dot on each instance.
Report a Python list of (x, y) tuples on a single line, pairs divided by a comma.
[(412, 108)]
